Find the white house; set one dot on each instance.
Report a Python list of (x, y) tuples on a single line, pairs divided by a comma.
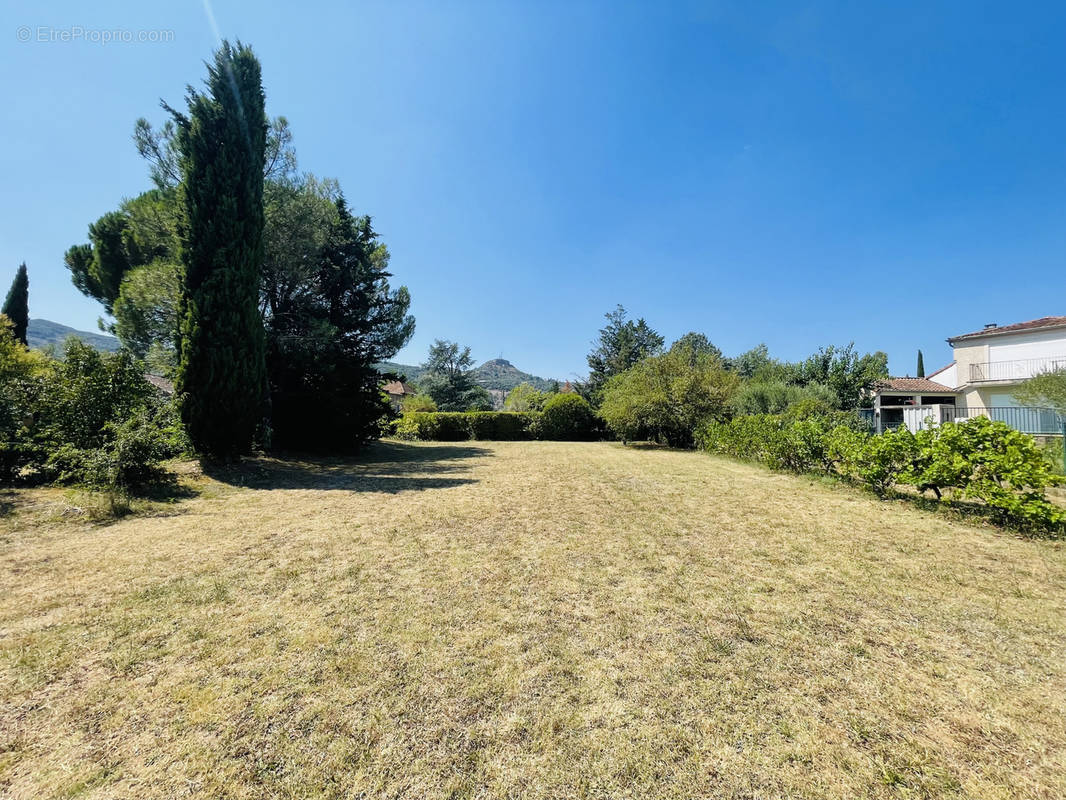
[(912, 402), (989, 364)]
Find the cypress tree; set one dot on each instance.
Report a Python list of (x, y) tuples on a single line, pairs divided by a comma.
[(221, 368), (921, 365), (17, 304)]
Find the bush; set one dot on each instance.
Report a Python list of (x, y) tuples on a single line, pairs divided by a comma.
[(413, 403), (978, 459), (880, 462), (990, 461), (20, 371), (566, 417), (86, 390), (88, 418), (790, 442), (129, 461), (524, 397), (500, 425)]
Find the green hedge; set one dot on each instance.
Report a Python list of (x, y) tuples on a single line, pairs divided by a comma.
[(979, 459), (457, 426), (566, 420)]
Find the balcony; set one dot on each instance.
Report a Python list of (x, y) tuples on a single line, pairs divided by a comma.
[(1025, 419), (1017, 370), (1032, 420)]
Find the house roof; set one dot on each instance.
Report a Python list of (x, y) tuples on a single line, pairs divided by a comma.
[(912, 385), (398, 387), (160, 383), (1017, 327)]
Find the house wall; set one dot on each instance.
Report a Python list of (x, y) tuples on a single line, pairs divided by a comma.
[(997, 396), (1020, 347), (1009, 347), (965, 354), (1040, 344), (948, 377)]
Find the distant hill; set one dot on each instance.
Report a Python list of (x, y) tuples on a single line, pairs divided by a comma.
[(42, 332), (499, 374)]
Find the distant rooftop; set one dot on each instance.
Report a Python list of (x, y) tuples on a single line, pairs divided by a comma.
[(1018, 327), (912, 385), (398, 388), (160, 383)]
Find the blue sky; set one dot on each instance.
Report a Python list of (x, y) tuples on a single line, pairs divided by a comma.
[(797, 174)]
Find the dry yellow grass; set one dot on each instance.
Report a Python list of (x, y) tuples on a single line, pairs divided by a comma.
[(541, 620)]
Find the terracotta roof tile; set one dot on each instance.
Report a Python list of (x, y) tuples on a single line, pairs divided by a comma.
[(916, 385), (398, 387), (160, 383), (1033, 324)]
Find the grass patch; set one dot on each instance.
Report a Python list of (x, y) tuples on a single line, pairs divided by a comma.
[(534, 619)]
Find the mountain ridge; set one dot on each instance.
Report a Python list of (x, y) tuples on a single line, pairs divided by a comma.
[(42, 333), (496, 374)]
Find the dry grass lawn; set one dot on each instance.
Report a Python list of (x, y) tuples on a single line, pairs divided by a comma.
[(542, 620)]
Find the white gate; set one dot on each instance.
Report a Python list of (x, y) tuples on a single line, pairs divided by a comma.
[(915, 418)]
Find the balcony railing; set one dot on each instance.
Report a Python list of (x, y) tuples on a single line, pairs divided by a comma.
[(1017, 370), (1026, 420)]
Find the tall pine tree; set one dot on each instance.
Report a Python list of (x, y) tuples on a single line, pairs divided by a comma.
[(17, 304), (221, 375), (921, 365), (324, 340)]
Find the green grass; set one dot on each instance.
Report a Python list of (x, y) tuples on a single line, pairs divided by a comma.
[(527, 619)]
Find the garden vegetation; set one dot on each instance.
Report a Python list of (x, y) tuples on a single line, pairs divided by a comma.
[(980, 459), (82, 418)]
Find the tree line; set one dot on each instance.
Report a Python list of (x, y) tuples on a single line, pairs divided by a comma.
[(643, 389), (640, 389)]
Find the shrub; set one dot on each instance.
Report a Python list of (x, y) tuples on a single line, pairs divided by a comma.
[(130, 460), (501, 425), (86, 390), (418, 402), (566, 417), (89, 418), (881, 461), (990, 461), (782, 442), (441, 426), (979, 459), (751, 438), (524, 397), (20, 371), (407, 427)]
